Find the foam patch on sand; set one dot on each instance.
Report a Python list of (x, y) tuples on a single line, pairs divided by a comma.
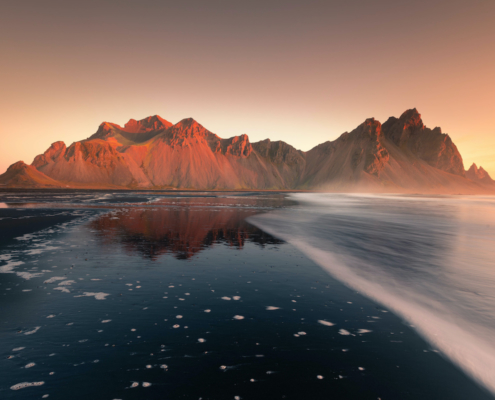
[(54, 279), (326, 323), (66, 283), (34, 330), (28, 275), (97, 296), (8, 268), (40, 250), (24, 385)]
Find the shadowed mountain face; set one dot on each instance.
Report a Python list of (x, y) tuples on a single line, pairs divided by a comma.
[(180, 231), (399, 156)]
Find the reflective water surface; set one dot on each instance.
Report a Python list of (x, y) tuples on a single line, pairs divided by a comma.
[(214, 296), (430, 259)]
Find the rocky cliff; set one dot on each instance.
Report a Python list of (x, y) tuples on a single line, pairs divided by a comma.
[(400, 155)]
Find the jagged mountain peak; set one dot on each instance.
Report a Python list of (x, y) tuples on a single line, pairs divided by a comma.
[(411, 119), (371, 127), (189, 123), (134, 130), (478, 174), (188, 127), (19, 165), (152, 123), (473, 167)]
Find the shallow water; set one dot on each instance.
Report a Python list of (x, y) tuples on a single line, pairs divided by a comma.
[(429, 259), (179, 296)]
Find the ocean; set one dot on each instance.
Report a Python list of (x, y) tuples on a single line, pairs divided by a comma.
[(246, 295)]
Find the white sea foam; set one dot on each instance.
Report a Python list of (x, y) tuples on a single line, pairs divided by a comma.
[(326, 323), (238, 317), (40, 250), (24, 385), (344, 332), (272, 308), (8, 268), (54, 279), (66, 283), (28, 275), (32, 331), (96, 295), (63, 289)]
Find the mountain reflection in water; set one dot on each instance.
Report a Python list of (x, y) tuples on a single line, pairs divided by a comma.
[(178, 230)]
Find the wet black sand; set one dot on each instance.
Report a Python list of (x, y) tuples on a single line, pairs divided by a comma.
[(117, 281)]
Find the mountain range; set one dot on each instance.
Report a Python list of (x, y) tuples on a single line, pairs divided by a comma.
[(400, 155)]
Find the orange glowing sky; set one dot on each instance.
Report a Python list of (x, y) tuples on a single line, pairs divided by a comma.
[(299, 71)]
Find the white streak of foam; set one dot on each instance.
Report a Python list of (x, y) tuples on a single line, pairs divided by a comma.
[(23, 385), (54, 279), (40, 250), (326, 323), (34, 330), (272, 308)]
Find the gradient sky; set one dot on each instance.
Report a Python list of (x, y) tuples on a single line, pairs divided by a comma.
[(299, 71)]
